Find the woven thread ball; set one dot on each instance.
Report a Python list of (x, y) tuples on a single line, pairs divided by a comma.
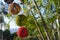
[(21, 20), (8, 1), (14, 8), (22, 32)]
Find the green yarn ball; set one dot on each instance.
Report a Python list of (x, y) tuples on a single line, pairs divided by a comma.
[(21, 20)]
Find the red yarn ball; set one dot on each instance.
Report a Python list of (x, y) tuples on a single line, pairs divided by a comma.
[(22, 32)]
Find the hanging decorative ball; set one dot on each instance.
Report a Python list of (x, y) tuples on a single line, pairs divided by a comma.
[(21, 20), (14, 8), (8, 1), (22, 32)]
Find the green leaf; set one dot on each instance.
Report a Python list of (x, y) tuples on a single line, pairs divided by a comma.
[(58, 10), (8, 25), (39, 2), (8, 15), (24, 1), (50, 20)]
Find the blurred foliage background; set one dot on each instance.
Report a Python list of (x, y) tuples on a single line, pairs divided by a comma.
[(40, 17)]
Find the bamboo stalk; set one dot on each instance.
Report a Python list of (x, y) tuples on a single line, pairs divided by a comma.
[(31, 37), (57, 23), (44, 24), (22, 38), (37, 27)]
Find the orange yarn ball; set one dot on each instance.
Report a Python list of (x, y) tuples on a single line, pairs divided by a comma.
[(14, 8)]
